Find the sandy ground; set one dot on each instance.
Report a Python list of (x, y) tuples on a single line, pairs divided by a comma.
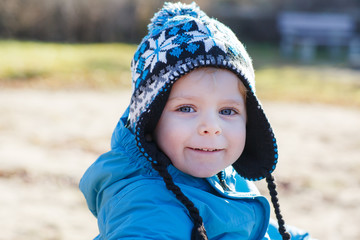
[(49, 138)]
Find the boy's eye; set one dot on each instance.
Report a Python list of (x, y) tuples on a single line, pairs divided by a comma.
[(227, 111), (185, 109)]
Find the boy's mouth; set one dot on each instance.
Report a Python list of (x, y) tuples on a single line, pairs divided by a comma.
[(207, 149)]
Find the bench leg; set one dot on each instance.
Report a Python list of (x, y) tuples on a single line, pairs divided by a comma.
[(307, 50), (354, 53), (287, 47), (335, 52)]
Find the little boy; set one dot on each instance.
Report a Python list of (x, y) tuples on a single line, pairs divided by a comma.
[(193, 136)]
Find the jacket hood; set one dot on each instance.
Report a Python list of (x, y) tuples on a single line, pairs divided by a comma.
[(122, 162)]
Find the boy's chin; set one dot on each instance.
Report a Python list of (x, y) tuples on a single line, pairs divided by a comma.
[(207, 174)]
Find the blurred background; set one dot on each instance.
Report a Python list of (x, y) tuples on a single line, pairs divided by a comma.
[(65, 80)]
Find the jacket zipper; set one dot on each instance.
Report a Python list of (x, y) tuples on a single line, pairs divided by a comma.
[(221, 177)]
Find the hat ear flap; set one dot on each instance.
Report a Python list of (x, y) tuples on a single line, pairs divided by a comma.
[(146, 126), (260, 153)]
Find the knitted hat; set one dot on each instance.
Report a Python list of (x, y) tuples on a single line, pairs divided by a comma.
[(182, 38)]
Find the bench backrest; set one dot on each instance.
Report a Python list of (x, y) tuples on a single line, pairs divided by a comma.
[(321, 28)]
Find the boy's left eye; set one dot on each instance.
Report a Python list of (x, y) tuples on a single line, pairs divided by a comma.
[(186, 109), (227, 111)]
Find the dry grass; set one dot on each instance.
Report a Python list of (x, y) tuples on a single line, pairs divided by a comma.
[(107, 66), (56, 66)]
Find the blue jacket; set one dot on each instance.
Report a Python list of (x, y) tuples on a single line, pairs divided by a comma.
[(130, 199)]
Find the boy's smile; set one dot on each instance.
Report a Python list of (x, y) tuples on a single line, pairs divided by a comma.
[(202, 128)]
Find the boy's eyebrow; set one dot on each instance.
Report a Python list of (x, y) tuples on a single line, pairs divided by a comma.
[(186, 97)]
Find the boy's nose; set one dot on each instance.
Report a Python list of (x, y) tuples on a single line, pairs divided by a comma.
[(209, 126)]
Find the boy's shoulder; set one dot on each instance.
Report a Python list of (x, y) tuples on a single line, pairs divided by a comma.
[(138, 209)]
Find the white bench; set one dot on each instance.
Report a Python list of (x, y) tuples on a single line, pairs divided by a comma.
[(308, 30)]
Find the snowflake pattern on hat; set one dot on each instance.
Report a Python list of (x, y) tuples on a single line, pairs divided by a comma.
[(174, 45)]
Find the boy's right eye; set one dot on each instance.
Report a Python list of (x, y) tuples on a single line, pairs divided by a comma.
[(186, 109)]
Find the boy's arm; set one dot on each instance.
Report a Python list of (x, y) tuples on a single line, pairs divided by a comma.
[(145, 212)]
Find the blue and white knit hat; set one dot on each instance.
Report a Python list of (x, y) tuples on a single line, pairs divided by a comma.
[(182, 38)]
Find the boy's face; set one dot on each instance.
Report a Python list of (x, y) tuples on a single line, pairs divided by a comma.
[(203, 126)]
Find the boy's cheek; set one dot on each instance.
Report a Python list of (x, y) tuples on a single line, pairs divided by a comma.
[(176, 121)]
